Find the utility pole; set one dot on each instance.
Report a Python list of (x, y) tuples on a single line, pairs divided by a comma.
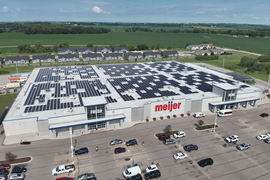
[(268, 87), (223, 62), (215, 123)]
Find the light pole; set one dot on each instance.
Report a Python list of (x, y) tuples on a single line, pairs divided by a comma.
[(71, 147), (215, 123)]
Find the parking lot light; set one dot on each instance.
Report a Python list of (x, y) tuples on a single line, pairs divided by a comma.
[(215, 122), (71, 147)]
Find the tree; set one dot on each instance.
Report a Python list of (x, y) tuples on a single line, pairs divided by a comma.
[(142, 47), (157, 46), (205, 54), (200, 122), (9, 156), (90, 45), (169, 47), (126, 57), (153, 47), (39, 45), (166, 54), (55, 48), (212, 54), (168, 129), (64, 45), (204, 48)]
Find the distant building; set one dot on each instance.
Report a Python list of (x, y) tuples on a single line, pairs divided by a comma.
[(17, 60), (234, 35), (202, 52), (92, 56), (68, 57), (86, 50), (121, 49), (110, 56), (66, 51), (246, 35), (170, 53), (193, 47), (217, 51), (104, 49), (134, 55), (43, 58)]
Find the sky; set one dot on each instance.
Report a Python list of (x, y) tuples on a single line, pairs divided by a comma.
[(151, 11)]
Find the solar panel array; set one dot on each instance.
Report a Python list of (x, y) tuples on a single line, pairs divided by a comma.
[(65, 87)]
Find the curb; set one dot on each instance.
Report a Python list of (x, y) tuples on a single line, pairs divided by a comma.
[(22, 162), (96, 132)]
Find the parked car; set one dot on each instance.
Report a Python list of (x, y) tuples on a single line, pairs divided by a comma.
[(179, 134), (163, 137), (116, 141), (87, 176), (3, 177), (190, 147), (169, 141), (198, 115), (18, 169), (4, 166), (206, 162), (151, 168), (267, 140), (16, 176), (262, 137), (132, 171), (119, 150), (264, 115), (232, 139), (243, 146), (131, 142), (64, 178), (81, 151), (267, 134), (4, 172), (152, 174), (179, 156), (136, 177)]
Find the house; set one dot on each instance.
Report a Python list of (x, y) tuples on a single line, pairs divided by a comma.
[(104, 49), (17, 59), (68, 57), (170, 53), (234, 35), (110, 56), (194, 47), (43, 58), (217, 51), (246, 35), (86, 50), (1, 60), (66, 51), (92, 56), (202, 52), (151, 54), (134, 55), (121, 49), (207, 46)]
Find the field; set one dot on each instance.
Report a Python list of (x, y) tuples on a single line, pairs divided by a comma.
[(6, 100), (179, 40)]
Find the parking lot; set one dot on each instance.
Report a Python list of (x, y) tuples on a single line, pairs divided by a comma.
[(229, 163)]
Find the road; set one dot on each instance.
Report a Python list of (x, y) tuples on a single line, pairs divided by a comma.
[(229, 163), (227, 49)]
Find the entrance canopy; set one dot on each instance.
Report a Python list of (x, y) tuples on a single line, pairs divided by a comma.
[(94, 101), (221, 103)]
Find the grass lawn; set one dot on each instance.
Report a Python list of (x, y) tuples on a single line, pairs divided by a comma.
[(6, 100)]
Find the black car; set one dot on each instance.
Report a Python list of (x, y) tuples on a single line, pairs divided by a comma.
[(136, 177), (206, 162), (190, 147), (119, 150), (131, 142), (81, 151), (18, 169), (152, 174), (4, 172)]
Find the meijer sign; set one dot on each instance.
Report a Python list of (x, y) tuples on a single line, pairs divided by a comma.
[(167, 107)]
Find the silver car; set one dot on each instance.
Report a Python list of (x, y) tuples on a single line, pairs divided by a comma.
[(243, 146), (169, 141), (267, 140), (116, 141), (17, 176)]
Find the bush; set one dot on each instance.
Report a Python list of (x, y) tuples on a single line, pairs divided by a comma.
[(161, 117), (9, 156), (188, 114), (182, 115), (147, 120), (154, 118), (174, 115), (200, 122), (168, 116), (204, 58)]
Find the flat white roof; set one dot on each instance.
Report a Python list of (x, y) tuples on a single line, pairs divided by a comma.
[(94, 101), (226, 86)]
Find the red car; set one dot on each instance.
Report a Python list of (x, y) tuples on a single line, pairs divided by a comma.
[(64, 178), (264, 115), (4, 166), (163, 137)]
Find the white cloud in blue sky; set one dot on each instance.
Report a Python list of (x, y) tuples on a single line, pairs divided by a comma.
[(169, 11)]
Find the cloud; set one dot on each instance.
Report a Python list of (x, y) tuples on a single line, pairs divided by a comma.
[(18, 10), (222, 9), (219, 16), (266, 18), (5, 9), (90, 2), (96, 9), (63, 11), (255, 17)]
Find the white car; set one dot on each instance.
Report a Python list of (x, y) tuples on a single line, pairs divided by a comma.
[(267, 134), (179, 156), (179, 134), (232, 139), (262, 137), (151, 168)]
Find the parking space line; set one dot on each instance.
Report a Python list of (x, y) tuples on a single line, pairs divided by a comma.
[(199, 167)]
